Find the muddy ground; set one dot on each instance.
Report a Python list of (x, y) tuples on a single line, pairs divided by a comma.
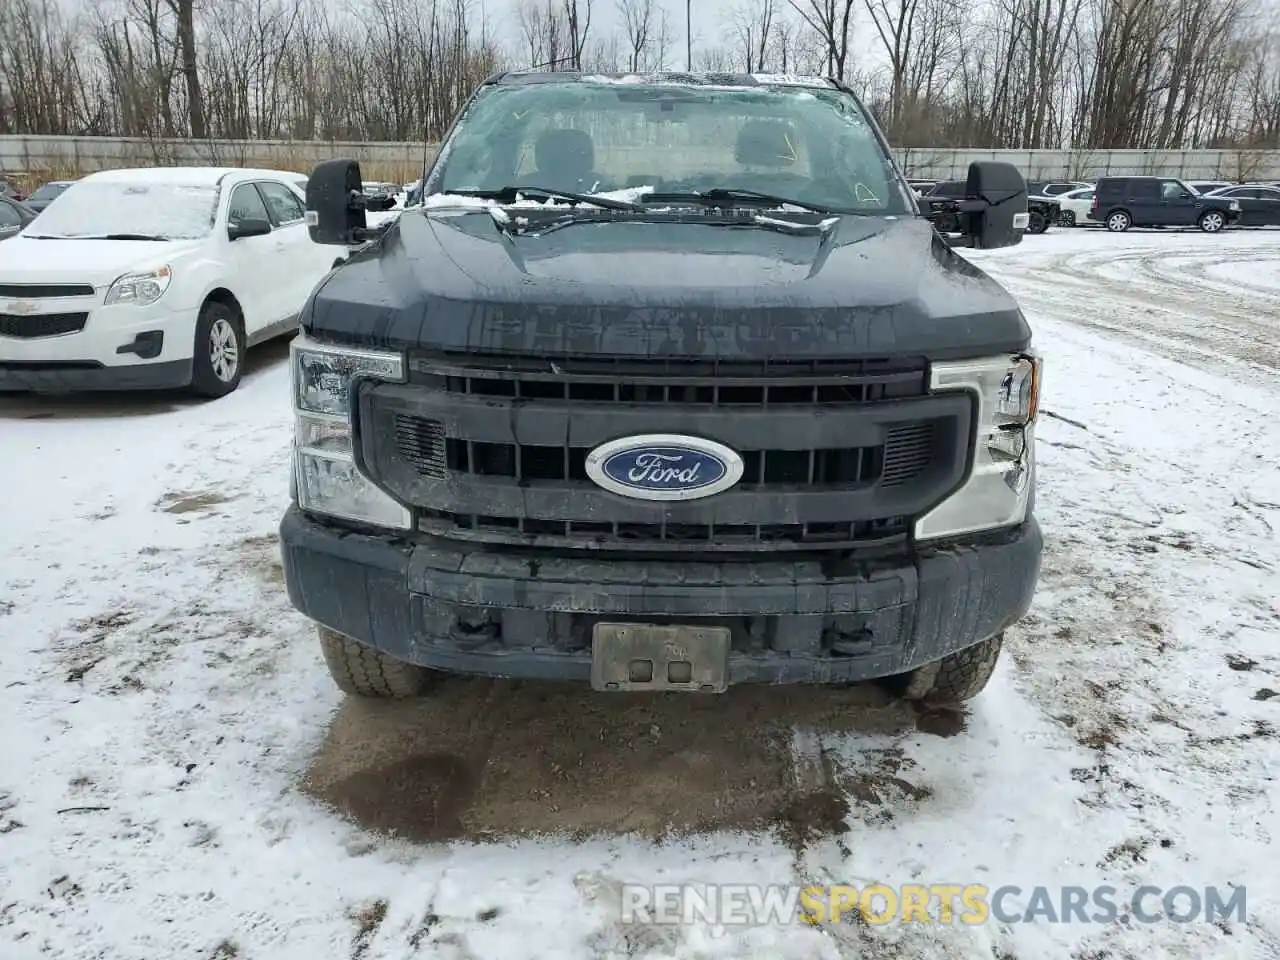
[(481, 759)]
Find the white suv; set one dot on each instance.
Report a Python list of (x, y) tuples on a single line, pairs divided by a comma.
[(155, 278)]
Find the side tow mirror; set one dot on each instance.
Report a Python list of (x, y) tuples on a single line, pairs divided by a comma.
[(336, 204), (996, 202), (237, 229)]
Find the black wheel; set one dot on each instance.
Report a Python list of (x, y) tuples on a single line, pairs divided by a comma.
[(1067, 218), (1118, 221), (364, 672), (953, 679), (1037, 222), (1211, 221), (218, 357)]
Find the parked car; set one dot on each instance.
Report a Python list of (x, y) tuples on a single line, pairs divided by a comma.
[(1124, 202), (942, 200), (46, 193), (8, 191), (1208, 186), (1053, 188), (14, 215), (655, 443), (1259, 206), (155, 278), (1074, 206)]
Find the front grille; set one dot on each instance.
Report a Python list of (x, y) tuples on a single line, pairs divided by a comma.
[(837, 455), (735, 384), (30, 326), (906, 454), (45, 291)]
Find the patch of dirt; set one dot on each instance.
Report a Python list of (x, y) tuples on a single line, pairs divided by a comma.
[(367, 920), (1237, 661), (262, 555), (225, 950), (189, 501), (484, 759), (939, 721)]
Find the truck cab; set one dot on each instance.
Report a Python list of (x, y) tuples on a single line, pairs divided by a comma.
[(667, 384)]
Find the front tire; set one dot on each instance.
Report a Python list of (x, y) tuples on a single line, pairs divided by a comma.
[(1037, 222), (1119, 221), (365, 672), (1211, 221), (955, 678), (217, 360)]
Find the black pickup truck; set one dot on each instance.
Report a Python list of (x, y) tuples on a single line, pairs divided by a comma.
[(942, 201), (667, 384)]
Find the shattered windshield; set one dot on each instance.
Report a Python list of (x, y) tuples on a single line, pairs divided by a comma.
[(171, 211), (808, 144)]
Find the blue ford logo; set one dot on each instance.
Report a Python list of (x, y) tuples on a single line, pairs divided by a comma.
[(664, 466)]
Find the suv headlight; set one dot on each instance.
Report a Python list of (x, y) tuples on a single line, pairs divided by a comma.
[(326, 477), (140, 288), (997, 491)]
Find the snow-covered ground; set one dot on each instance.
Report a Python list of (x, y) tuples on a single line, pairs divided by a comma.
[(179, 778)]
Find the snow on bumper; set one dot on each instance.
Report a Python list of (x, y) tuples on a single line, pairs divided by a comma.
[(432, 603)]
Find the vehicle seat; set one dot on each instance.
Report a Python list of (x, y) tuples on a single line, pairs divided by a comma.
[(565, 160)]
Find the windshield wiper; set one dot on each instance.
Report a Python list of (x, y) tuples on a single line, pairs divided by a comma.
[(92, 236), (723, 196), (508, 195)]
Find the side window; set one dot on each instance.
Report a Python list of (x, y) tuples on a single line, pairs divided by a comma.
[(1247, 194), (246, 204), (9, 217), (1144, 189), (283, 203), (1171, 189)]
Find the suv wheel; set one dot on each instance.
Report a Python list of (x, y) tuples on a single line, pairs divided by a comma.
[(1037, 222), (218, 357), (365, 672), (1119, 221), (953, 679), (1212, 221)]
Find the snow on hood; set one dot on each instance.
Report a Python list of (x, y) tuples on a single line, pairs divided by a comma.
[(25, 259)]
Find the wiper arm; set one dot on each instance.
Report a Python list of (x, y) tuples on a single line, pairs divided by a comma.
[(723, 196), (127, 236), (508, 195)]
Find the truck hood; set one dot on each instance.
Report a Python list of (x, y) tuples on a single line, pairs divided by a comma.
[(868, 287), (99, 262)]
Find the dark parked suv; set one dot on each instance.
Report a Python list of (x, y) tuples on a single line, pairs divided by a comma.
[(1124, 202)]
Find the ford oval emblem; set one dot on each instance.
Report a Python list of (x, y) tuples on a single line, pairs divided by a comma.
[(664, 466)]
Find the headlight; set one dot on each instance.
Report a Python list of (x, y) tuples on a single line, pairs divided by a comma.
[(998, 489), (326, 477), (140, 288)]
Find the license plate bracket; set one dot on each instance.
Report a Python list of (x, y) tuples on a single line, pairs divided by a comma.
[(645, 656)]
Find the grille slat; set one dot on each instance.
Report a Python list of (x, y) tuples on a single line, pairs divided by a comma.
[(31, 326), (45, 291)]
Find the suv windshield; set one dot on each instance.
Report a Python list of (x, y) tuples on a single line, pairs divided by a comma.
[(49, 191), (813, 145), (99, 208)]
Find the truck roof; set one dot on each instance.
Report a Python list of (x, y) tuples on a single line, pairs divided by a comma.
[(666, 77)]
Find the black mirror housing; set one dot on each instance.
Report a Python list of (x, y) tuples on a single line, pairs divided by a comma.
[(996, 204), (248, 228), (336, 204)]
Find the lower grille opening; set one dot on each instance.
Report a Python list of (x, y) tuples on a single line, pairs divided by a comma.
[(722, 534), (31, 326)]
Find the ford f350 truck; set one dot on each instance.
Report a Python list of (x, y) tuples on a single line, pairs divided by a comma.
[(667, 384)]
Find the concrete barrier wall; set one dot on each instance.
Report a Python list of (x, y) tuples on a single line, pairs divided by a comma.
[(71, 156)]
